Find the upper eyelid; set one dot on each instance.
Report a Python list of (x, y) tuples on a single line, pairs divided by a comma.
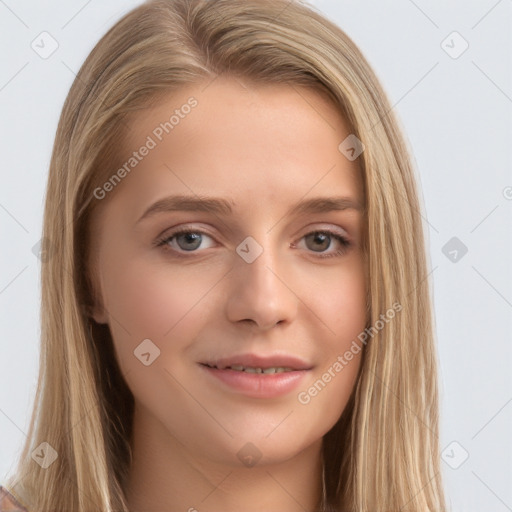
[(349, 225), (192, 229)]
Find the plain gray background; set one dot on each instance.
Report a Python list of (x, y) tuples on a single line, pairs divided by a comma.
[(455, 108)]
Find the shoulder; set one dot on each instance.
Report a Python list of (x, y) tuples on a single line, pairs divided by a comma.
[(8, 503)]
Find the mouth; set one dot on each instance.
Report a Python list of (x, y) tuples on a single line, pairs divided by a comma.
[(251, 369), (254, 363), (258, 376)]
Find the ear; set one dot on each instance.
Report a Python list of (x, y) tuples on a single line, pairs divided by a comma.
[(94, 307), (98, 314)]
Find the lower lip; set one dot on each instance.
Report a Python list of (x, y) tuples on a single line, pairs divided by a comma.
[(258, 385)]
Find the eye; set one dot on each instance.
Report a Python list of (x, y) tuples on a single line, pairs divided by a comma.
[(184, 239), (322, 240), (189, 240)]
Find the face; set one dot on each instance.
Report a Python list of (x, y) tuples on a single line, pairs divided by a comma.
[(232, 243)]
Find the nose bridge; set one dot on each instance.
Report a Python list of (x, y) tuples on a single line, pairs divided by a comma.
[(259, 266), (259, 292)]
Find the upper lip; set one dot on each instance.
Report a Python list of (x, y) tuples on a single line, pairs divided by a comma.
[(260, 361)]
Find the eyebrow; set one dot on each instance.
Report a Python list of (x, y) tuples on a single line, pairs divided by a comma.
[(220, 206)]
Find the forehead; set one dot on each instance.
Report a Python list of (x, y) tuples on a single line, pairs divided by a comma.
[(227, 137)]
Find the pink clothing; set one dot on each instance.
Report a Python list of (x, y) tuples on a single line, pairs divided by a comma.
[(8, 503)]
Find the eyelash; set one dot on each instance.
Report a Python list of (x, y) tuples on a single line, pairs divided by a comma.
[(161, 242)]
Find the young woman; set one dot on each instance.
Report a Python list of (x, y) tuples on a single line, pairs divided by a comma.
[(235, 310)]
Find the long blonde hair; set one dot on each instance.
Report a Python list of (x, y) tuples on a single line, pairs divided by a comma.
[(383, 453)]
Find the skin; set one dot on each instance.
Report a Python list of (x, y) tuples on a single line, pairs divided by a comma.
[(263, 148)]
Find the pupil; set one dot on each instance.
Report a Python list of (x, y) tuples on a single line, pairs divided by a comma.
[(189, 237), (321, 238)]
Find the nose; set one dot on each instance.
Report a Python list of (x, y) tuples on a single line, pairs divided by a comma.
[(261, 292)]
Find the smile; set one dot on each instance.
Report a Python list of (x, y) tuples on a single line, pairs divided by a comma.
[(251, 369)]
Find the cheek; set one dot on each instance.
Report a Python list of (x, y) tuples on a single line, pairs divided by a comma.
[(339, 300), (154, 301), (342, 309)]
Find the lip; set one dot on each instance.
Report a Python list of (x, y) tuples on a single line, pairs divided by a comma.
[(258, 385)]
